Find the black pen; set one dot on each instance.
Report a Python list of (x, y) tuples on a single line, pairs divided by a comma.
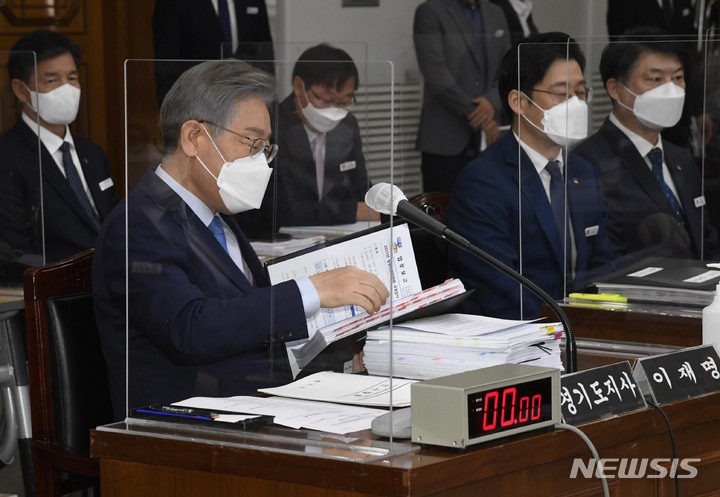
[(185, 410)]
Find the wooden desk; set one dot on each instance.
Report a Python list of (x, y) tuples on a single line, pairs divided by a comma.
[(605, 335), (641, 323), (138, 461)]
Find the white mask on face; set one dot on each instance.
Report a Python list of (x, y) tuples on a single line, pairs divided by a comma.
[(58, 106), (323, 120), (243, 182), (660, 107), (565, 124)]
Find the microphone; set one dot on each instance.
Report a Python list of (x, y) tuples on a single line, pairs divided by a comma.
[(388, 199)]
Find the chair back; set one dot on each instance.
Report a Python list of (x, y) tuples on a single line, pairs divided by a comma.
[(430, 251), (69, 392)]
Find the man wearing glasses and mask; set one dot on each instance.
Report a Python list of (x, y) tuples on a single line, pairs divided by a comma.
[(321, 174), (653, 192), (525, 200), (203, 319)]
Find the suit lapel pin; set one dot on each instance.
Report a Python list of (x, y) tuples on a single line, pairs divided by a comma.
[(678, 167), (86, 161), (576, 181)]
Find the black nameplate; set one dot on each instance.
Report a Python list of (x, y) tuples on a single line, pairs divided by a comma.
[(599, 393), (679, 375)]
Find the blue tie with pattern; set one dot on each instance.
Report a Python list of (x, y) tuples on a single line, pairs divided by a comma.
[(557, 202), (76, 184), (656, 159)]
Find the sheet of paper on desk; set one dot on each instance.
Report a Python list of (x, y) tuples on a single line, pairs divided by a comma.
[(286, 246), (332, 231), (355, 389), (293, 413)]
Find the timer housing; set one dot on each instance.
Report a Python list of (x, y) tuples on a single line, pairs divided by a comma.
[(476, 406)]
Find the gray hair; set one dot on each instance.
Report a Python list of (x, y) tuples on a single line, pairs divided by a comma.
[(209, 92)]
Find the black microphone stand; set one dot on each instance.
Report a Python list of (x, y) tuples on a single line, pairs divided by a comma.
[(570, 348)]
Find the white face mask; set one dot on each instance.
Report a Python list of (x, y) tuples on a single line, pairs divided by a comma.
[(565, 124), (243, 182), (660, 107), (323, 120), (58, 106)]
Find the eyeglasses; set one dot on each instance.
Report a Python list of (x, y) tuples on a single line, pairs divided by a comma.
[(560, 96), (329, 103), (257, 145)]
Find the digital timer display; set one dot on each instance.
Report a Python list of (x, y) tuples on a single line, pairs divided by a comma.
[(509, 407)]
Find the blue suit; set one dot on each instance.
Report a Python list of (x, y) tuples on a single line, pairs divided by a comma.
[(191, 310), (485, 208)]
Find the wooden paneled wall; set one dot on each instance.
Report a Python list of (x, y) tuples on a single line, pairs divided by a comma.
[(108, 32)]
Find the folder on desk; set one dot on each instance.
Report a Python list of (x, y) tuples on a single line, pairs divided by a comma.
[(667, 280), (337, 334)]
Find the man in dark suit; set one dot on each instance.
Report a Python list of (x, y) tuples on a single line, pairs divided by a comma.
[(653, 192), (459, 44), (196, 30), (203, 319), (53, 197), (320, 167), (677, 17), (525, 200)]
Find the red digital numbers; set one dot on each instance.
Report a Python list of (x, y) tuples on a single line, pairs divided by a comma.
[(504, 403)]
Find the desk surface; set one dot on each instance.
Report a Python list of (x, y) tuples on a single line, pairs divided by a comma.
[(138, 461)]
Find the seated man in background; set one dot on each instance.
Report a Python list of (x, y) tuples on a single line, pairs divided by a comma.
[(653, 192), (320, 169), (55, 210), (517, 211), (203, 319)]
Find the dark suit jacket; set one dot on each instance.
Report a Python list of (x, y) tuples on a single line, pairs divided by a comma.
[(191, 309), (67, 228), (626, 14), (452, 72), (190, 30), (640, 219), (484, 207), (346, 179), (517, 35)]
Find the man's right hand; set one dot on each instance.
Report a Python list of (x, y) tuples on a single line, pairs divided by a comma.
[(350, 285)]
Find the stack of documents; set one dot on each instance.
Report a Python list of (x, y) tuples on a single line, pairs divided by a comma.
[(364, 321), (285, 247), (454, 343)]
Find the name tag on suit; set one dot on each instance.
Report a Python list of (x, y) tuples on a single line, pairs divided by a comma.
[(591, 231), (347, 166), (699, 201), (105, 184), (253, 11)]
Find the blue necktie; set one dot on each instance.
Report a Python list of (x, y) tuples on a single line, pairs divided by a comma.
[(557, 202), (656, 159), (224, 15), (218, 232), (76, 185)]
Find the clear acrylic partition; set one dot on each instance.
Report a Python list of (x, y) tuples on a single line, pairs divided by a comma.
[(189, 331), (642, 222), (616, 214), (22, 243), (707, 129)]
